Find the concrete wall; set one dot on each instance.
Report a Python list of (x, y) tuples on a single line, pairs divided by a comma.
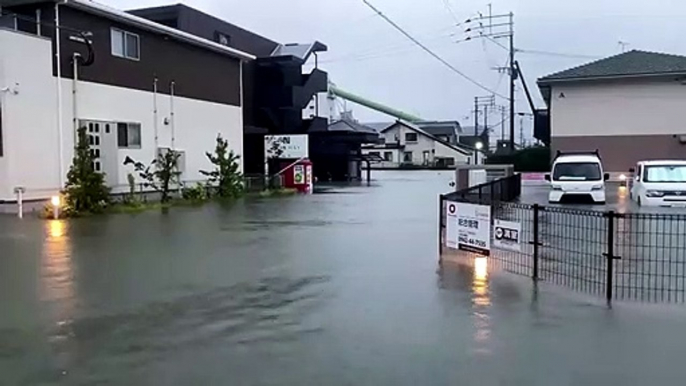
[(31, 130), (29, 115), (627, 121)]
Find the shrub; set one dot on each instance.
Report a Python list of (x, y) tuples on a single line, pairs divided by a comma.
[(85, 190), (199, 192), (226, 176), (161, 174)]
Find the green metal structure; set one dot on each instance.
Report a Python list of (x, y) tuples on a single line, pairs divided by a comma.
[(333, 90)]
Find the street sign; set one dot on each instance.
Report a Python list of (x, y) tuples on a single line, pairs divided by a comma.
[(286, 146), (468, 227), (507, 235)]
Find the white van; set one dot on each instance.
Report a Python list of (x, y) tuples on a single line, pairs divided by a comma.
[(577, 176), (659, 183)]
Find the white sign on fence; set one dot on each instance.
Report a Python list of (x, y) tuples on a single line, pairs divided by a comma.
[(451, 225), (286, 146), (507, 235), (468, 227)]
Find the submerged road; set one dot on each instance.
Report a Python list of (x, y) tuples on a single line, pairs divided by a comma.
[(337, 288)]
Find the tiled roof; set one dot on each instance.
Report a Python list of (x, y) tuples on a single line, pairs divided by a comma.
[(629, 64)]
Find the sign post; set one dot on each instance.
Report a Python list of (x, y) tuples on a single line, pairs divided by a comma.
[(284, 147), (507, 235), (469, 227)]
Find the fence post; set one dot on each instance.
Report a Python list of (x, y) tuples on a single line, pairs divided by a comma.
[(536, 241), (440, 226), (610, 253)]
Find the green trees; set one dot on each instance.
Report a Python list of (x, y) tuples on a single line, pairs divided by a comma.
[(162, 173), (226, 176), (85, 190)]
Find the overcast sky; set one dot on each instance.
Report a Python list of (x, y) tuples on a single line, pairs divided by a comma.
[(368, 57)]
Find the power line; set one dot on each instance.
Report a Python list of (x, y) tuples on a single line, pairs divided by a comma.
[(430, 52), (561, 54)]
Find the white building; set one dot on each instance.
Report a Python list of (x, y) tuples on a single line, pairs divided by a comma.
[(149, 87), (404, 144), (630, 107)]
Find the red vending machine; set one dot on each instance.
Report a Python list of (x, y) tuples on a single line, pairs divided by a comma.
[(299, 176)]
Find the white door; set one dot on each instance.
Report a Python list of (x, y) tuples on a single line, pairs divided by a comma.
[(102, 138)]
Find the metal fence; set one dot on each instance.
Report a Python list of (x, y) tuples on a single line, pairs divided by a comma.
[(621, 256)]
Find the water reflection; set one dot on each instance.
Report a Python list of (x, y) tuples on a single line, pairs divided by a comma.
[(57, 270), (481, 295), (471, 274)]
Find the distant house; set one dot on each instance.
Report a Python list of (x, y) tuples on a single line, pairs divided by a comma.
[(407, 144), (630, 107)]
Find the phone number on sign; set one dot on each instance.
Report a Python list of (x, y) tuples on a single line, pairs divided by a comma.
[(465, 239)]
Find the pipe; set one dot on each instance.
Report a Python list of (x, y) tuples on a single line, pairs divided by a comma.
[(76, 58), (171, 113), (58, 59), (154, 113), (373, 105), (38, 21)]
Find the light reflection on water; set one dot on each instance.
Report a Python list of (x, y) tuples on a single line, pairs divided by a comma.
[(57, 270), (481, 300)]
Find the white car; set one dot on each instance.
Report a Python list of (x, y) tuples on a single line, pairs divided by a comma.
[(577, 176), (659, 183)]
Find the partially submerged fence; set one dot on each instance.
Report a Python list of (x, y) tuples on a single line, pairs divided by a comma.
[(623, 256)]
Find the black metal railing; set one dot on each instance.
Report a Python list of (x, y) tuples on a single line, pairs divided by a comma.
[(620, 256), (502, 189)]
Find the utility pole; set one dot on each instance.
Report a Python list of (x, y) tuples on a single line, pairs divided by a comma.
[(476, 127), (479, 102), (513, 78), (493, 32)]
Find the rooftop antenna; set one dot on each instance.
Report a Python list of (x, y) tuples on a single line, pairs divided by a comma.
[(623, 45)]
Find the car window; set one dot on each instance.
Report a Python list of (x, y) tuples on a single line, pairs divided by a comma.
[(665, 173), (577, 171)]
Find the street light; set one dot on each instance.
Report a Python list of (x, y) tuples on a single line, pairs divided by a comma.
[(56, 202), (479, 146)]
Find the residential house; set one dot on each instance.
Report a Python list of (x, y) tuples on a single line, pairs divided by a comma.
[(139, 87), (405, 144), (628, 106)]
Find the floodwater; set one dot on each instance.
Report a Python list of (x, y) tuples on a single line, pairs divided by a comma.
[(338, 288)]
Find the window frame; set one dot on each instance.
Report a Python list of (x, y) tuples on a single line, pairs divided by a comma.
[(124, 34), (405, 154), (388, 156), (415, 140), (128, 136)]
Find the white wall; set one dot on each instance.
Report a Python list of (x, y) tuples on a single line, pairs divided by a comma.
[(197, 124), (29, 116), (620, 108), (444, 151), (424, 143), (30, 121)]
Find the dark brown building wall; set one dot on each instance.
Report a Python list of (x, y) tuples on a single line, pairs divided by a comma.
[(620, 153), (198, 73)]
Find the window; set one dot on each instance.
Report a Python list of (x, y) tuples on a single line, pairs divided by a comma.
[(374, 154), (577, 171), (223, 39), (125, 44), (665, 173), (407, 156), (129, 135), (410, 137), (388, 156)]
